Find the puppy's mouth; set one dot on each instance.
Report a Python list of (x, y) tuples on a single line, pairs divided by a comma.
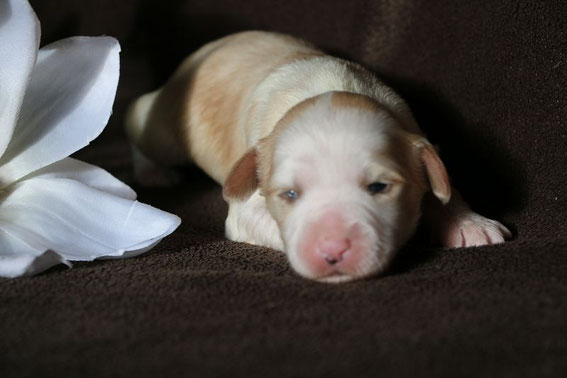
[(338, 276), (335, 277)]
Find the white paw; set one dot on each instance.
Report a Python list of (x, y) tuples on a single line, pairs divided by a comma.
[(472, 229)]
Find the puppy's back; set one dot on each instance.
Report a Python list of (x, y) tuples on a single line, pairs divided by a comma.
[(199, 113)]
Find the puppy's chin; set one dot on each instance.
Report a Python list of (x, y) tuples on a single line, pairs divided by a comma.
[(337, 275), (336, 278)]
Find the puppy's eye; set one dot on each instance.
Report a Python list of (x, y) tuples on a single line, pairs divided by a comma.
[(377, 187), (290, 195)]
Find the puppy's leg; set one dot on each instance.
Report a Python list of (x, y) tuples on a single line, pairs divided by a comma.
[(456, 225), (250, 222), (155, 132)]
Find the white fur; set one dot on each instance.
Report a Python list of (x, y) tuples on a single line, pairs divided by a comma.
[(334, 154), (250, 222)]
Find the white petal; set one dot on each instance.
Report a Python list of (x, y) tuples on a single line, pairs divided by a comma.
[(19, 41), (67, 104), (88, 174), (17, 258), (79, 222), (134, 251)]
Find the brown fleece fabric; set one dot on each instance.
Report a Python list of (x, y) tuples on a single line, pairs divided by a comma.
[(487, 82)]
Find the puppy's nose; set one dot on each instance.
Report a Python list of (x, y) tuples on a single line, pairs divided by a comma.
[(333, 250)]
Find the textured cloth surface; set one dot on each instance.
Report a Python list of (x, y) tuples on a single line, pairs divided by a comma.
[(487, 82)]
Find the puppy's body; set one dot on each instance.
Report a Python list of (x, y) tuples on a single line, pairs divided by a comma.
[(230, 93), (267, 115)]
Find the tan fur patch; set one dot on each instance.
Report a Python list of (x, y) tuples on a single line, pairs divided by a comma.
[(201, 112), (158, 122), (242, 180), (222, 87), (222, 92), (434, 168), (436, 172), (353, 100)]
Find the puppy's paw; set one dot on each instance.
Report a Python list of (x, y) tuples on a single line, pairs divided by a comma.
[(471, 229)]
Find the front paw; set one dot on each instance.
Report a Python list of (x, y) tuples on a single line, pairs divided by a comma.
[(471, 229)]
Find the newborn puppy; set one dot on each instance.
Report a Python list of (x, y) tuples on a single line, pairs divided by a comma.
[(317, 157)]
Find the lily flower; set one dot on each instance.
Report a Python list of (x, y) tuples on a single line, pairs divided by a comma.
[(53, 102)]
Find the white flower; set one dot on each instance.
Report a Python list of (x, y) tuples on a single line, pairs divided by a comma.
[(52, 103)]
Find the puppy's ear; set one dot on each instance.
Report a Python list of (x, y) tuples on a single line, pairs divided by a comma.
[(242, 180), (436, 172)]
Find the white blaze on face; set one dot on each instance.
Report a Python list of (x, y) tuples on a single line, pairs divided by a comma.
[(336, 229)]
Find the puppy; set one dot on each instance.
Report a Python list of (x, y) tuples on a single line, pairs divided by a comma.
[(316, 156)]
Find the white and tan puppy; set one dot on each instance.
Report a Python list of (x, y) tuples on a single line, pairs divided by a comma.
[(317, 157)]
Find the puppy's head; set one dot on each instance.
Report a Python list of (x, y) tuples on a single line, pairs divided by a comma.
[(344, 182)]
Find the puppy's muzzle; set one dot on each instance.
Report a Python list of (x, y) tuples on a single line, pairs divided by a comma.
[(330, 245)]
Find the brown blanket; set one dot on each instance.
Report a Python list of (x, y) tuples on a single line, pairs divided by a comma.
[(487, 81)]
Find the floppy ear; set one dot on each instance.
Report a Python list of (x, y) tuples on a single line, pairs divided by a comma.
[(436, 172), (242, 180)]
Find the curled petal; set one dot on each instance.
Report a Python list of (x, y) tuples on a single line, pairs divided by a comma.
[(79, 222), (88, 174), (67, 104), (17, 258), (19, 41)]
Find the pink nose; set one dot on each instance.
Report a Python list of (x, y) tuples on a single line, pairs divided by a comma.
[(333, 250)]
